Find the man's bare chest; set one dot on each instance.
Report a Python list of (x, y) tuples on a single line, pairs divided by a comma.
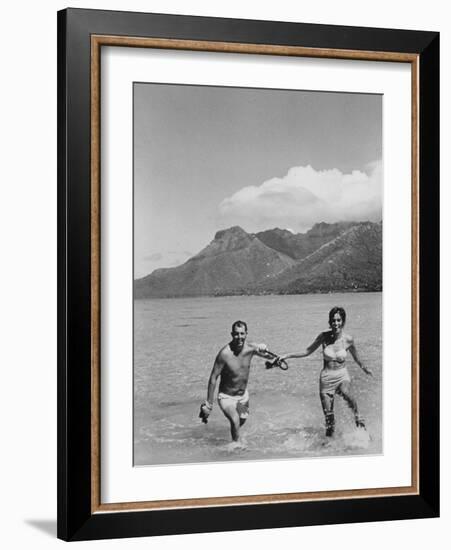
[(237, 365)]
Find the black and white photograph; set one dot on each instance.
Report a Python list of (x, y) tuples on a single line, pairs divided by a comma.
[(258, 224)]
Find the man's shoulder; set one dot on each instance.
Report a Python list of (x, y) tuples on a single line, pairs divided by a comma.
[(224, 351)]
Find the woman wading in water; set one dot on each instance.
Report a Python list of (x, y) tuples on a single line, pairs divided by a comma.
[(334, 377)]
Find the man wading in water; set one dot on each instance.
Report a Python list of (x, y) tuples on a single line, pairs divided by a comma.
[(232, 365)]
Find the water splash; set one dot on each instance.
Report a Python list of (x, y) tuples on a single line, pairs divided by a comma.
[(357, 439), (236, 446), (305, 440)]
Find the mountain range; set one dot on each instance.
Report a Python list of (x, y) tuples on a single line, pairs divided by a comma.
[(344, 256)]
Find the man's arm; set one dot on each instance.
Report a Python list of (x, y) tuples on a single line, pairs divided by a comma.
[(207, 406), (356, 357), (262, 351), (215, 372)]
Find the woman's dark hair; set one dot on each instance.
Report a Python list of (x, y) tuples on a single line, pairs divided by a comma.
[(239, 324), (340, 312)]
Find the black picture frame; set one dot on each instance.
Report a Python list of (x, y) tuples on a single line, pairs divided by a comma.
[(76, 518)]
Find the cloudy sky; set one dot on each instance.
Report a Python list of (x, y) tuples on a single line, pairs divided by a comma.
[(207, 158)]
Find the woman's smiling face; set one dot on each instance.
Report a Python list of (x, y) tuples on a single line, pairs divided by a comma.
[(336, 323)]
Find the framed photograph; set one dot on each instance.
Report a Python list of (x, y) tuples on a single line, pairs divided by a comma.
[(248, 274)]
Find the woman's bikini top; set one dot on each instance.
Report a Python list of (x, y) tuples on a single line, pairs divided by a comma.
[(330, 354)]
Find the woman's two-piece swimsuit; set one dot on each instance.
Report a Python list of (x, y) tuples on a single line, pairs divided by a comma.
[(331, 377)]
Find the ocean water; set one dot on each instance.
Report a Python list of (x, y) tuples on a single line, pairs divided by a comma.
[(176, 342)]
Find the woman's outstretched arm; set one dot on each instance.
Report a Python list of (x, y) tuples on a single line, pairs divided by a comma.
[(355, 355), (309, 350)]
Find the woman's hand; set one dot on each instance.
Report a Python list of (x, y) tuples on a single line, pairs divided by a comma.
[(367, 371)]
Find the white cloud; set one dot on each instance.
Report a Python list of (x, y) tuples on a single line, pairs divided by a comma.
[(305, 196)]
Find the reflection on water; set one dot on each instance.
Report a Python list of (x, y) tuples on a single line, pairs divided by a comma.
[(175, 344)]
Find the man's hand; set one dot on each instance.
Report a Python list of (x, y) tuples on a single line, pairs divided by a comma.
[(205, 411)]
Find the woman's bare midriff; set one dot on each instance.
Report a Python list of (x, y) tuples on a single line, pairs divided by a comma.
[(334, 365)]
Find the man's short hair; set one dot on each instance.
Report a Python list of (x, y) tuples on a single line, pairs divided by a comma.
[(239, 324)]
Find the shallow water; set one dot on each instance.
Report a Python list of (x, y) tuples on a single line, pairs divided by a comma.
[(175, 344)]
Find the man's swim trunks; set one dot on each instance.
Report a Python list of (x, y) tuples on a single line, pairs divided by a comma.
[(241, 403), (330, 380)]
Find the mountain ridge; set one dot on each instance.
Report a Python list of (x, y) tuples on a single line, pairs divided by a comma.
[(329, 257)]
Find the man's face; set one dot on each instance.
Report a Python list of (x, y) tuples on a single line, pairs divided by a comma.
[(239, 335)]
